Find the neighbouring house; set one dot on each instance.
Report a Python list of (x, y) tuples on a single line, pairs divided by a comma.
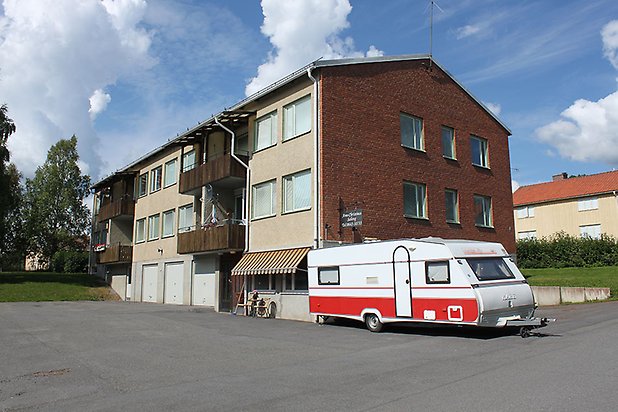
[(339, 151), (577, 206)]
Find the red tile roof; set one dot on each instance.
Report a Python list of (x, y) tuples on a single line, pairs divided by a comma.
[(566, 189)]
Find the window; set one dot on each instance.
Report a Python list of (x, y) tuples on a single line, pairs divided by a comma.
[(188, 161), (490, 268), (528, 234), (155, 179), (437, 272), (478, 147), (263, 197), (448, 142), (140, 230), (590, 203), (261, 282), (297, 118), (265, 131), (452, 205), (482, 210), (170, 173), (591, 231), (153, 227), (297, 191), (328, 276), (142, 185), (524, 212), (411, 132), (296, 281), (168, 223), (185, 218), (414, 200)]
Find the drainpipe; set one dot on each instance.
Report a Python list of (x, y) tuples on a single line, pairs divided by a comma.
[(316, 155)]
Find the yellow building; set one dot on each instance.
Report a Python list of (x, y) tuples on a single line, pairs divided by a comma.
[(578, 206)]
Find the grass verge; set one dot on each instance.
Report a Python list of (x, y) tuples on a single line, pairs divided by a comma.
[(598, 277), (43, 286)]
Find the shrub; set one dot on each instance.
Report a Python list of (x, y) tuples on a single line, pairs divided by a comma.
[(562, 250), (69, 261)]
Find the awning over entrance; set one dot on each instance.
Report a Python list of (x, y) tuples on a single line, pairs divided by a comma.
[(276, 262)]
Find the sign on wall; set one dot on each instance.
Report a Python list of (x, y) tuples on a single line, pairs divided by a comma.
[(352, 218)]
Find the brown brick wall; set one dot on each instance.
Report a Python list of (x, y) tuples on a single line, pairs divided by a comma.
[(363, 164)]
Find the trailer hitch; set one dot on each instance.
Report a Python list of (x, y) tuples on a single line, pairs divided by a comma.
[(526, 326)]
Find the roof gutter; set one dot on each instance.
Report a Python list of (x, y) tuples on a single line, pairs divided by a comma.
[(316, 162)]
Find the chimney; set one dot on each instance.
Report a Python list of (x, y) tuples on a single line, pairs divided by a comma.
[(561, 176)]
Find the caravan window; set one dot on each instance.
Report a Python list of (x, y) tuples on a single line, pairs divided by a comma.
[(490, 268), (437, 272), (328, 276)]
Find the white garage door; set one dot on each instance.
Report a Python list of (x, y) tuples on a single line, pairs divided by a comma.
[(174, 273), (149, 283), (204, 290)]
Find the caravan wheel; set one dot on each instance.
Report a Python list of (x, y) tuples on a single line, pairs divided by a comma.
[(373, 322)]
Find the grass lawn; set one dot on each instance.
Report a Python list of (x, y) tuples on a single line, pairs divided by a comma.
[(601, 277), (42, 286)]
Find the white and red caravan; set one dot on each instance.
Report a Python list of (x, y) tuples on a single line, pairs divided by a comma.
[(433, 280)]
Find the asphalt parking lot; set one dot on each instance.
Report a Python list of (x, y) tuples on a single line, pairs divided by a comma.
[(77, 356)]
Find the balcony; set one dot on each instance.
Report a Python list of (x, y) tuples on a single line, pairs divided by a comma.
[(215, 169), (228, 236), (115, 254), (122, 207)]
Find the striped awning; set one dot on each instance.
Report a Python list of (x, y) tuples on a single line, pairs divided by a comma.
[(275, 262)]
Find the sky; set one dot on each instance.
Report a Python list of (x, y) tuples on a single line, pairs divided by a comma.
[(125, 76)]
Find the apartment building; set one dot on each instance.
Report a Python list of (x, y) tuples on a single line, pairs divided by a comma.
[(340, 151), (578, 206)]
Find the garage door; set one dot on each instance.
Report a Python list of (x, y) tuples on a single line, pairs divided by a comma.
[(204, 290), (149, 283), (174, 274)]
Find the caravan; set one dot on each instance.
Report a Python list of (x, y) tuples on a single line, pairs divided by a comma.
[(432, 280)]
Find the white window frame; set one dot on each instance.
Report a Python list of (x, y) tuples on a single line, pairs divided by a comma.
[(292, 179), (273, 187), (140, 235), (272, 117), (456, 205), (166, 173), (591, 231), (156, 179), (588, 203), (154, 223), (185, 157), (524, 212), (526, 234), (142, 185), (290, 118), (182, 212), (487, 211), (417, 140), (451, 143), (420, 211), (163, 226), (483, 151)]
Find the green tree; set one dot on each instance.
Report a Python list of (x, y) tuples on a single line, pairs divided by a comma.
[(55, 213)]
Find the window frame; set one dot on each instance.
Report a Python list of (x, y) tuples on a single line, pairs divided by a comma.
[(143, 232), (425, 214), (173, 212), (284, 180), (142, 190), (588, 235), (413, 118), (588, 203), (274, 127), (490, 214), (185, 167), (483, 152), (437, 282), (158, 173), (526, 236), (320, 282), (165, 173), (452, 142), (294, 104), (156, 216), (457, 218), (184, 229), (273, 201)]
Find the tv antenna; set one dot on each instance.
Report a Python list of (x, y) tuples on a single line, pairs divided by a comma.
[(431, 5)]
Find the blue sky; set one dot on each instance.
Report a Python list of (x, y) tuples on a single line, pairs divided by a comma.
[(127, 75)]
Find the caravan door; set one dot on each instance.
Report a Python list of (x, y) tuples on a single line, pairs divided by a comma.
[(402, 282)]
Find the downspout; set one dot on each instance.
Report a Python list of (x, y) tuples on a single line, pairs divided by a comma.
[(316, 155)]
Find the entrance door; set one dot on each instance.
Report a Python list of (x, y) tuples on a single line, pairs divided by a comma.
[(402, 278), (174, 273)]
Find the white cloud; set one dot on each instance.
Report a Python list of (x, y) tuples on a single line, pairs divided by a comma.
[(496, 108), (301, 31), (98, 102), (467, 30), (514, 185), (587, 130), (53, 54)]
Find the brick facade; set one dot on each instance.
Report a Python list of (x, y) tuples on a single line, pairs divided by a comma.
[(363, 164)]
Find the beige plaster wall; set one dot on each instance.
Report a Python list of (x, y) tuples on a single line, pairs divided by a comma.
[(564, 216)]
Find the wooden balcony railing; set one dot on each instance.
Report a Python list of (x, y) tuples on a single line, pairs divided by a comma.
[(122, 207), (214, 169), (115, 254), (224, 237)]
